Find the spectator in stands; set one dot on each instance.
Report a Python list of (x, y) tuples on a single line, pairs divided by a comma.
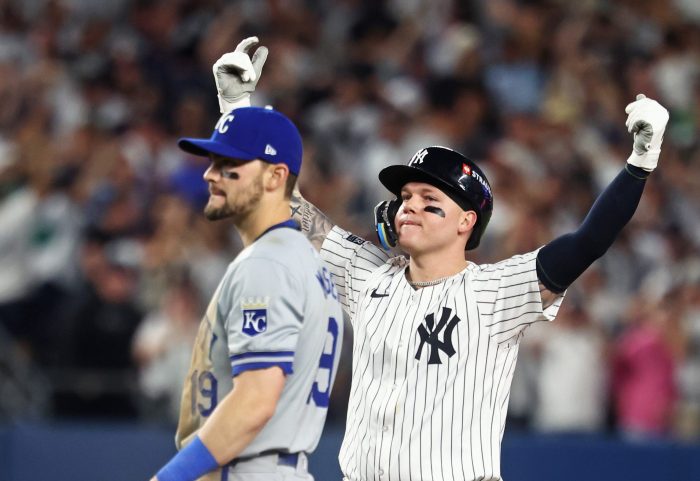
[(162, 349), (571, 382), (644, 375)]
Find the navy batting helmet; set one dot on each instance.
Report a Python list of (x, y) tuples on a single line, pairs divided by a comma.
[(454, 174)]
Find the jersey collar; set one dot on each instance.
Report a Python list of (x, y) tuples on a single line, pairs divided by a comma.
[(291, 223)]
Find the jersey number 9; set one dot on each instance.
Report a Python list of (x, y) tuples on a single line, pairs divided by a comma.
[(321, 392), (203, 383)]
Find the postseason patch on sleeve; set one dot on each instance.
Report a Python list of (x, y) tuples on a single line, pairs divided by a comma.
[(355, 239), (254, 315)]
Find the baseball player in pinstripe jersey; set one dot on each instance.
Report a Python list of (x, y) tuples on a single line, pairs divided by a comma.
[(267, 351), (435, 336)]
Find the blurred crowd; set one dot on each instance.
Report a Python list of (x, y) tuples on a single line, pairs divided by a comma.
[(106, 262)]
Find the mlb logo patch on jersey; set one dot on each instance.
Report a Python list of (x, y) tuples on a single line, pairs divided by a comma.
[(254, 316), (355, 240)]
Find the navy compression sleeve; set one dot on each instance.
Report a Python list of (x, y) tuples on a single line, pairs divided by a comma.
[(560, 262)]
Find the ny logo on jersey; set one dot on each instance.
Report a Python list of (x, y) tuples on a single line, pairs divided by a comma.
[(254, 321), (429, 333)]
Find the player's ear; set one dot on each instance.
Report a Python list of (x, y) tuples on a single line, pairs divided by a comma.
[(276, 176), (467, 220)]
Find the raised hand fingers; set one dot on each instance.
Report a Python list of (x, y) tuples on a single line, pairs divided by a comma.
[(236, 63), (259, 58), (246, 44), (239, 61), (632, 105)]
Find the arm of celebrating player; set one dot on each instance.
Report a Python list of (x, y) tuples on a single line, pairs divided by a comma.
[(236, 76), (314, 223), (235, 422), (563, 260), (350, 259)]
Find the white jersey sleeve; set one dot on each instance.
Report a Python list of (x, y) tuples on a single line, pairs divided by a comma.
[(351, 261), (265, 316), (509, 298)]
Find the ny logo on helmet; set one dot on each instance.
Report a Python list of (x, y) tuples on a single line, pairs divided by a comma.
[(418, 157), (429, 333)]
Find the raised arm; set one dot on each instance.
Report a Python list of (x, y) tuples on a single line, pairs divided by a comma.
[(563, 260), (314, 223), (350, 259), (236, 75)]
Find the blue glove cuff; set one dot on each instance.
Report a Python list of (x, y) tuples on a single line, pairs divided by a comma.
[(191, 463)]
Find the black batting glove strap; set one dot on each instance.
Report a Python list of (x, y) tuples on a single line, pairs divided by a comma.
[(384, 215), (563, 260)]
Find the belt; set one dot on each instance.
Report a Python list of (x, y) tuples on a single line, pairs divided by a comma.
[(283, 459), (288, 459)]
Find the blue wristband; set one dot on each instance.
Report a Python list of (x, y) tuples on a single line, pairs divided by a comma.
[(191, 463)]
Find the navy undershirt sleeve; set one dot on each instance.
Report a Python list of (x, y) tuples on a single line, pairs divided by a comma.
[(563, 260)]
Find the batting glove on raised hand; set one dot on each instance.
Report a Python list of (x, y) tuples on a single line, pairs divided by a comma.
[(647, 120), (236, 74)]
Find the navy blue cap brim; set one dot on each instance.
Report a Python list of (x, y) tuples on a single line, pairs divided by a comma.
[(395, 177), (204, 147)]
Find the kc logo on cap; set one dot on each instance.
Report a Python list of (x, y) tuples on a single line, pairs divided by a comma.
[(222, 123)]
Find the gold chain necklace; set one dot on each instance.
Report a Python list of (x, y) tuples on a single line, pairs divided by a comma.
[(428, 283)]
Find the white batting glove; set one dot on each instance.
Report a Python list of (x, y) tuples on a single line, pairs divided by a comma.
[(647, 120), (236, 74)]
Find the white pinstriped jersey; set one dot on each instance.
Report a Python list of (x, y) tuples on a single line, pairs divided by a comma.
[(275, 306), (432, 367)]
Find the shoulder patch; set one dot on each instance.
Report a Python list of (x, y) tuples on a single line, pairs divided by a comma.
[(355, 239), (254, 315)]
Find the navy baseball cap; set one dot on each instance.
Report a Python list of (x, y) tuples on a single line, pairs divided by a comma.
[(252, 133)]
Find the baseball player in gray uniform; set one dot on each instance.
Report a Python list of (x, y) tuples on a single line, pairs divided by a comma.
[(435, 336), (266, 354)]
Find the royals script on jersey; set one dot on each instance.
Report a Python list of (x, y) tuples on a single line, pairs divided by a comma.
[(432, 367), (275, 306)]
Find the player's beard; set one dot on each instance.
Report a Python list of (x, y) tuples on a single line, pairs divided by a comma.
[(243, 204)]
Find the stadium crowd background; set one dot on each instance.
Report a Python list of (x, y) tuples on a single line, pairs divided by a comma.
[(106, 262)]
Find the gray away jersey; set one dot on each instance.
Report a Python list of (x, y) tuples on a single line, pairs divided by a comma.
[(432, 367), (275, 306)]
